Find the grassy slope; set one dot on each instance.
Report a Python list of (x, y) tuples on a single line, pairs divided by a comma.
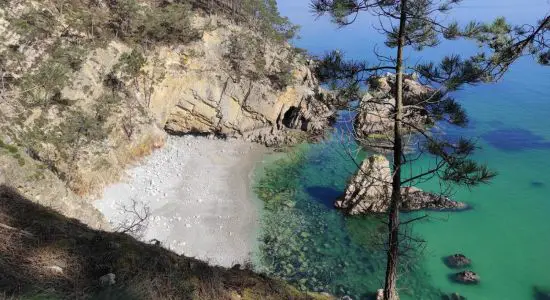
[(33, 239)]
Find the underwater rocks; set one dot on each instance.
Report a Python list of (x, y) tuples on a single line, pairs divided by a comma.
[(537, 184), (457, 261), (369, 191), (541, 294), (466, 277), (453, 296)]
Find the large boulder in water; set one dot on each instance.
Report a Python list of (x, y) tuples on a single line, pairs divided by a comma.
[(457, 261), (466, 277), (369, 191), (416, 199)]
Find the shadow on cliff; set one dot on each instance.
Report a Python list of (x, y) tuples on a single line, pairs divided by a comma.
[(48, 256)]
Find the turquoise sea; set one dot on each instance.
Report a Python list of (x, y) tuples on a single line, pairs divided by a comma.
[(506, 234)]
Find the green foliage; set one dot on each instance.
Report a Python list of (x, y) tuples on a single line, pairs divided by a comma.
[(131, 63), (237, 52), (124, 17), (265, 18), (168, 24), (42, 86), (35, 25), (283, 76), (13, 151)]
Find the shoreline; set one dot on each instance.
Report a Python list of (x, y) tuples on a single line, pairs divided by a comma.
[(200, 197)]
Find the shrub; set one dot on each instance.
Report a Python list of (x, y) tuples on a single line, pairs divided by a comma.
[(265, 17), (43, 85), (35, 25), (168, 24), (131, 63)]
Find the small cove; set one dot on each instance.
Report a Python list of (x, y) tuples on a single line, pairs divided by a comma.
[(505, 234)]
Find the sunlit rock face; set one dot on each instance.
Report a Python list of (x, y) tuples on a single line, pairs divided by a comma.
[(369, 191)]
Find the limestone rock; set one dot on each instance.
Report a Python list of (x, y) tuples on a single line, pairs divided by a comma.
[(453, 296), (369, 191), (55, 269), (380, 294), (541, 294), (457, 261), (107, 279), (466, 277), (374, 119), (416, 199)]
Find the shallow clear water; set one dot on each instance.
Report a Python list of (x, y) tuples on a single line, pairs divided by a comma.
[(506, 234)]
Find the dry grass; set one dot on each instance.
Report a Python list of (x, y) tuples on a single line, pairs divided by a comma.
[(35, 242), (109, 169)]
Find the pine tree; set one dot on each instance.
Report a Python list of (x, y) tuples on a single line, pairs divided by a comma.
[(416, 24)]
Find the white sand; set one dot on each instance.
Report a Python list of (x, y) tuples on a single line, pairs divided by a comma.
[(199, 194)]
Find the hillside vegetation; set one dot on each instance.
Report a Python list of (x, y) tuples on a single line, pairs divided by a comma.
[(88, 87), (50, 256)]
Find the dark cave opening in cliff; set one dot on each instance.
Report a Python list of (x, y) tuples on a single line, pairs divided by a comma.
[(290, 117)]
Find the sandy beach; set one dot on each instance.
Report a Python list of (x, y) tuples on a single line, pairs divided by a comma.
[(199, 196)]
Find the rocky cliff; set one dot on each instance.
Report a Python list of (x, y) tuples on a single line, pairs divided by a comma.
[(87, 89)]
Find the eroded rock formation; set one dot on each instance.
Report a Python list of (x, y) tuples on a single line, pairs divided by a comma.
[(466, 277), (82, 104), (457, 261), (369, 191), (374, 122)]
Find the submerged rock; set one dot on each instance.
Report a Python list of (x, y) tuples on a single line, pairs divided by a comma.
[(541, 294), (466, 277), (457, 261), (453, 296), (369, 191), (537, 184)]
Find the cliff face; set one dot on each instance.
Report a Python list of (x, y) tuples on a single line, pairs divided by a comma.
[(234, 84), (78, 104)]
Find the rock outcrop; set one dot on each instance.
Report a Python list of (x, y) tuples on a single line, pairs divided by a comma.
[(453, 296), (214, 92), (541, 294), (83, 104), (466, 277), (374, 123), (369, 191), (457, 261)]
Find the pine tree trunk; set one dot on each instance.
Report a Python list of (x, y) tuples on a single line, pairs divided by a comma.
[(390, 288)]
